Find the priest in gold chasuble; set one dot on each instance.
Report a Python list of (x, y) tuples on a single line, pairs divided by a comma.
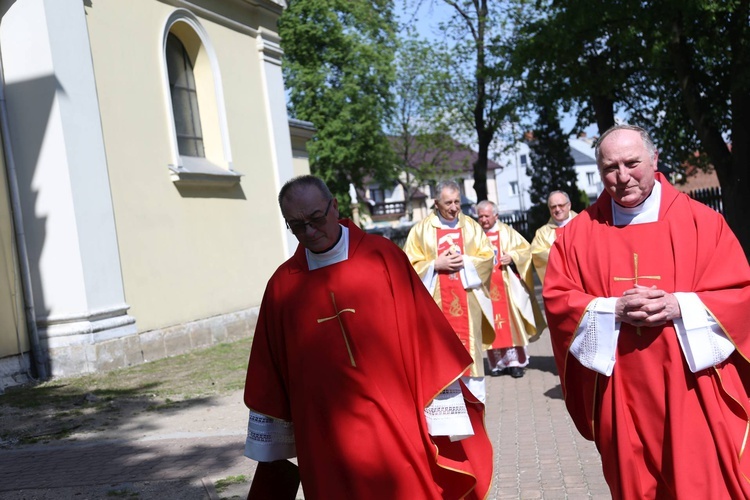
[(454, 258)]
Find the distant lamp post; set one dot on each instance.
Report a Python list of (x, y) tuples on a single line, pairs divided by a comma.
[(354, 205)]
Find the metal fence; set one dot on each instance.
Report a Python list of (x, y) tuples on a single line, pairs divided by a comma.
[(519, 222), (710, 197)]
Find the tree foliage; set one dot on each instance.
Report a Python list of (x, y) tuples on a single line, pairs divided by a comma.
[(338, 67), (420, 134), (680, 68), (479, 88), (551, 168)]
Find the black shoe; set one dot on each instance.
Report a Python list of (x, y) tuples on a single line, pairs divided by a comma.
[(496, 372), (515, 371)]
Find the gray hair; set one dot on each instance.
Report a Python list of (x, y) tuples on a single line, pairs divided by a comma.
[(647, 142), (567, 197), (304, 181), (450, 185), (487, 203)]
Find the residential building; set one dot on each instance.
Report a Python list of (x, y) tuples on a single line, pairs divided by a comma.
[(513, 182), (388, 205)]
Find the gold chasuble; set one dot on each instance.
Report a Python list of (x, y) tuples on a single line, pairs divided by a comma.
[(662, 430), (543, 240), (422, 247)]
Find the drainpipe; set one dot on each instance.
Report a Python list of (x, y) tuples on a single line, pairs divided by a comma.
[(23, 256)]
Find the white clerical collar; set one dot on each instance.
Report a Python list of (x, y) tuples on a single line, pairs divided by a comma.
[(445, 222), (339, 253), (648, 211), (562, 223)]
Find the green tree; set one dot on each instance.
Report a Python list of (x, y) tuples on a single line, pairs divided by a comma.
[(681, 68), (420, 135), (338, 67), (551, 167), (480, 91)]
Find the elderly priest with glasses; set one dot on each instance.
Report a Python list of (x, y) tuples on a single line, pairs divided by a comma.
[(356, 372)]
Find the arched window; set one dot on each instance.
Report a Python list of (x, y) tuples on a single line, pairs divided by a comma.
[(187, 119), (195, 99)]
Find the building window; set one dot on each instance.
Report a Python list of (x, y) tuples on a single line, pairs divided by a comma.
[(377, 195), (523, 160), (591, 178), (187, 119), (194, 100), (514, 188)]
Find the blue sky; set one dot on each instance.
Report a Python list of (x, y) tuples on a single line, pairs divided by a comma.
[(430, 13)]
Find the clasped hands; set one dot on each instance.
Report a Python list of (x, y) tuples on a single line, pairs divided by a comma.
[(449, 261), (646, 306)]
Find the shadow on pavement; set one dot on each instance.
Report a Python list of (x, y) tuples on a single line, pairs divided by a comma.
[(555, 392), (544, 364)]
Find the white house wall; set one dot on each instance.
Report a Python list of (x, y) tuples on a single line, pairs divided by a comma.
[(514, 171)]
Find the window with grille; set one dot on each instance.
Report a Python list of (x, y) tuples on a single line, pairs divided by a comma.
[(184, 99)]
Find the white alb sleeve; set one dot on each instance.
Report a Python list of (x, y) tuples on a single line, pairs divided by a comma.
[(595, 340), (702, 340), (269, 439), (430, 278), (469, 276), (446, 415)]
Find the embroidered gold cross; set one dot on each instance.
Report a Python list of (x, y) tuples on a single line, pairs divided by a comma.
[(634, 279), (341, 323), (499, 320)]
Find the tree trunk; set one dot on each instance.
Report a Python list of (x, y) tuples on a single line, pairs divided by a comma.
[(604, 112), (735, 187), (480, 171)]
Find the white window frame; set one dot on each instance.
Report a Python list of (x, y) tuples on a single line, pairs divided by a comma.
[(216, 168), (591, 178)]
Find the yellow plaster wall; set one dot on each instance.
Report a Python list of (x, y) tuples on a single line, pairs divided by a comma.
[(186, 253), (13, 337)]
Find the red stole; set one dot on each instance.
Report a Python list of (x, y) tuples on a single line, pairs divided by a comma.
[(452, 294), (499, 296)]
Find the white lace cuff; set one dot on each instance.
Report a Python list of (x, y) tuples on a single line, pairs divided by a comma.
[(447, 416), (595, 342), (269, 439), (702, 340)]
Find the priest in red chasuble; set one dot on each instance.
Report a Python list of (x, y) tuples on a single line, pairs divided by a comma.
[(356, 372), (454, 258), (510, 298), (647, 296)]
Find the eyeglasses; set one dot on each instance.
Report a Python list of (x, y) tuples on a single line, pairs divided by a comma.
[(561, 205), (299, 227)]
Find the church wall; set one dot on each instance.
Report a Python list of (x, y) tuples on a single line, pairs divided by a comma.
[(187, 252), (13, 336)]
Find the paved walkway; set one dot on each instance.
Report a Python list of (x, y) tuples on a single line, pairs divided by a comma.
[(538, 452)]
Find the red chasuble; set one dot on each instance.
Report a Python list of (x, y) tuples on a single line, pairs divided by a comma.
[(352, 353), (499, 297), (662, 431)]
